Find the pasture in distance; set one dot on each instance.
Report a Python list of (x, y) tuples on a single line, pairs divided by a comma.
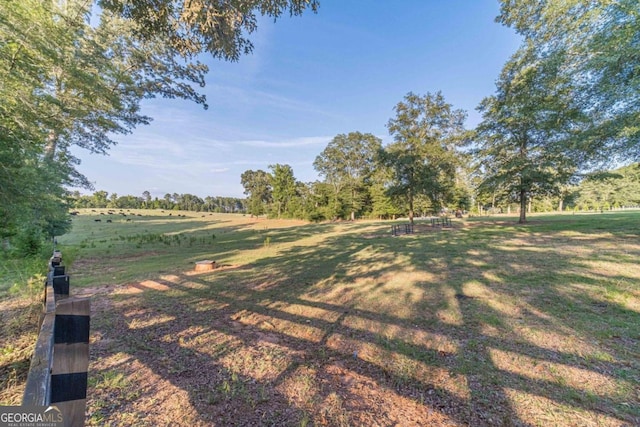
[(489, 323)]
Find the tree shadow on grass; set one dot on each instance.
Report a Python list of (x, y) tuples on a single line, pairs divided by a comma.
[(423, 330)]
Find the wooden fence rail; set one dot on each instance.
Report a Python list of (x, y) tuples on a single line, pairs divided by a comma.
[(58, 372)]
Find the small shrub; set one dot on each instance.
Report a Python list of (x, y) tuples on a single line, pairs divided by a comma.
[(316, 217), (29, 241)]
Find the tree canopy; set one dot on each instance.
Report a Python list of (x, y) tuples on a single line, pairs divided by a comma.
[(220, 28), (257, 185), (617, 188), (73, 79), (346, 163), (423, 158), (283, 187), (597, 46), (528, 138)]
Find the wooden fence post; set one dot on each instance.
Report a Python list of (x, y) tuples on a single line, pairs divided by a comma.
[(60, 285), (58, 372), (71, 359)]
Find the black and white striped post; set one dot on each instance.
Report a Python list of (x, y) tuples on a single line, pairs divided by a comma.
[(58, 372), (71, 359)]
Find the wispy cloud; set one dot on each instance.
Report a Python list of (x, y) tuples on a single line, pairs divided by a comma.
[(250, 97), (295, 142), (205, 155)]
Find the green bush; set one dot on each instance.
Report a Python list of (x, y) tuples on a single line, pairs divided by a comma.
[(22, 275), (29, 241), (315, 217)]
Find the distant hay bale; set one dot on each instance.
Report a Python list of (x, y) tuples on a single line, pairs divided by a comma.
[(205, 265)]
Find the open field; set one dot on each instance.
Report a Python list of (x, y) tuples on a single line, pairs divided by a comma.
[(489, 323)]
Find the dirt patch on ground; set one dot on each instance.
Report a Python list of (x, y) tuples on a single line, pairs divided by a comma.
[(219, 267)]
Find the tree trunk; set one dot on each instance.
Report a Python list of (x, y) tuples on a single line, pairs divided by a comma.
[(560, 205), (523, 206), (50, 147), (523, 187), (353, 202), (529, 205), (52, 139), (410, 207)]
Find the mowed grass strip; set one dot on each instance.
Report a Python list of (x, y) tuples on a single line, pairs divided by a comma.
[(489, 323)]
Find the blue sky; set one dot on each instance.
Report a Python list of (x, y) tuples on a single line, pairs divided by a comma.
[(309, 79)]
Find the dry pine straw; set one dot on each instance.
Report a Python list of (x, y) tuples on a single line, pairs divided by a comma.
[(18, 325)]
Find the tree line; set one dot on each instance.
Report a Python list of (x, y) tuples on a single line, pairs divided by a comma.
[(614, 189), (175, 201), (361, 190), (608, 190), (566, 105), (416, 174)]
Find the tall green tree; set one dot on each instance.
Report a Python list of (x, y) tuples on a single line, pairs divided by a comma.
[(347, 163), (283, 187), (422, 159), (257, 185), (146, 196), (597, 43), (317, 198), (66, 83), (100, 199), (28, 183), (382, 204), (529, 134), (307, 204)]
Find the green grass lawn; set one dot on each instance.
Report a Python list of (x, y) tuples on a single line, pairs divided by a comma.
[(488, 323)]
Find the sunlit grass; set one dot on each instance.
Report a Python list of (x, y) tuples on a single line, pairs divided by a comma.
[(488, 323)]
